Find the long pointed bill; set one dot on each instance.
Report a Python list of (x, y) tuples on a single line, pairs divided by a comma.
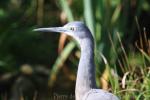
[(51, 29)]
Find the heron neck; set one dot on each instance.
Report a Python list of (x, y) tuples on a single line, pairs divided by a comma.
[(86, 69)]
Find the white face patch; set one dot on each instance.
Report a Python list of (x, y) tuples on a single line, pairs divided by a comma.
[(77, 30)]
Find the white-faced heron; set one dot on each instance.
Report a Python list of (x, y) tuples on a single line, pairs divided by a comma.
[(85, 83)]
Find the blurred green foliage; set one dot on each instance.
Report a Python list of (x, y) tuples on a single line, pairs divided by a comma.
[(117, 26)]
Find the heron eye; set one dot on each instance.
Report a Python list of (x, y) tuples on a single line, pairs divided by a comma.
[(72, 28)]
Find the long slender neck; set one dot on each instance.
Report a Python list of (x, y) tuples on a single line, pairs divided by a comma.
[(86, 69)]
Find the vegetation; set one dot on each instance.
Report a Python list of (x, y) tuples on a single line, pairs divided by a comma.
[(31, 69)]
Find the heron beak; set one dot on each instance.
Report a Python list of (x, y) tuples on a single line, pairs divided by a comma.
[(51, 29)]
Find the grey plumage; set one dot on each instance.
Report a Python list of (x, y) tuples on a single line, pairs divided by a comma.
[(85, 83)]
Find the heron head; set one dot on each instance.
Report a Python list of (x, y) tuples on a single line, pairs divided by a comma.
[(77, 30)]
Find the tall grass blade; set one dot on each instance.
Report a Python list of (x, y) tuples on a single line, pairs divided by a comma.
[(60, 61), (88, 15), (116, 14), (67, 10), (145, 55), (67, 50)]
